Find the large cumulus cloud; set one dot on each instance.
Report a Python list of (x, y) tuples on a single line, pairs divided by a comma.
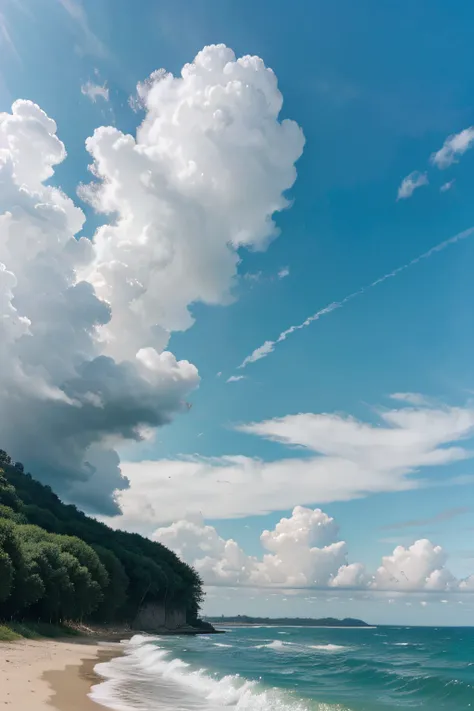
[(207, 170), (84, 325), (302, 551)]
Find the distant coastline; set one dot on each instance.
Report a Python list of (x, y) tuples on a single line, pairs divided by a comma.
[(244, 620)]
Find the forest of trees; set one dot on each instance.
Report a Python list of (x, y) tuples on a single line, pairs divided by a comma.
[(58, 564)]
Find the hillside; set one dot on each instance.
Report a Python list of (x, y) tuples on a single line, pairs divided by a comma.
[(56, 563)]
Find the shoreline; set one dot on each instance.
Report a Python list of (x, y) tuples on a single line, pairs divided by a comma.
[(36, 675)]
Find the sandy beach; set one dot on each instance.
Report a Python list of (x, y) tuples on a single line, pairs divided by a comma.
[(44, 674)]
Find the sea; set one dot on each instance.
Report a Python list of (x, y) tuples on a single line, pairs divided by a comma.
[(294, 669)]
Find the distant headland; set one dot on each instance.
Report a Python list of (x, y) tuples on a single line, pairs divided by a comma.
[(287, 621)]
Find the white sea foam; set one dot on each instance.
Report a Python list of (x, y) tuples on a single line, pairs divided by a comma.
[(328, 647), (276, 644), (220, 644), (147, 677), (280, 646)]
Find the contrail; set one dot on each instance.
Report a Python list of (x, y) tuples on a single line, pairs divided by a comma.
[(269, 346)]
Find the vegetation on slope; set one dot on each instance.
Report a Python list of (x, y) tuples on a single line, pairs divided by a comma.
[(58, 564)]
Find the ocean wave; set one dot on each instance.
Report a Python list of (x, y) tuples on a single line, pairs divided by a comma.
[(291, 646), (221, 644), (276, 644), (147, 662)]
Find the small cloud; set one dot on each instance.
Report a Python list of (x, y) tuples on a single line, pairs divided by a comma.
[(411, 398), (447, 186), (258, 353), (284, 272), (235, 378), (411, 183), (252, 276), (455, 145), (423, 603), (218, 375), (95, 91)]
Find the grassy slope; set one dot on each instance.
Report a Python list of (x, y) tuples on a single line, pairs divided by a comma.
[(9, 632)]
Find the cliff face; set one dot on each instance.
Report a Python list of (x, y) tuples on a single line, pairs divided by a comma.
[(154, 617)]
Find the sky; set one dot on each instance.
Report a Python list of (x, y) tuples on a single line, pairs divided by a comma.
[(236, 249)]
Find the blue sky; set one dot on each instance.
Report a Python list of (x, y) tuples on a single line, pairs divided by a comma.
[(376, 89)]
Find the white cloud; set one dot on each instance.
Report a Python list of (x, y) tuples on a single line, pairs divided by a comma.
[(261, 278), (301, 552), (95, 91), (304, 551), (264, 350), (454, 146), (342, 458), (447, 186), (411, 398), (252, 276), (411, 183), (209, 167), (420, 566), (468, 584), (219, 561), (84, 325), (235, 378)]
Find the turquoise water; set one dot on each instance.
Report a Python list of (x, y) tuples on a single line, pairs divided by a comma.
[(295, 669)]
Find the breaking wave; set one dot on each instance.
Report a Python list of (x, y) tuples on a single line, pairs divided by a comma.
[(147, 676)]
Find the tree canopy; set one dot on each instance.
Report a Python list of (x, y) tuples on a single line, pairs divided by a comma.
[(56, 563)]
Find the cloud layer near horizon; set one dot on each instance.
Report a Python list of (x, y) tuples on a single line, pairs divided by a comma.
[(84, 325), (304, 551)]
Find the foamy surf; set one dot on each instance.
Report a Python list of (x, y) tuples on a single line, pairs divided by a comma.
[(276, 644), (328, 647), (147, 677)]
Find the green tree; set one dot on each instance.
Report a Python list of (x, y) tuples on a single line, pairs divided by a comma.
[(64, 563), (115, 594), (53, 566), (8, 495), (6, 575), (87, 556), (11, 515), (26, 586)]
